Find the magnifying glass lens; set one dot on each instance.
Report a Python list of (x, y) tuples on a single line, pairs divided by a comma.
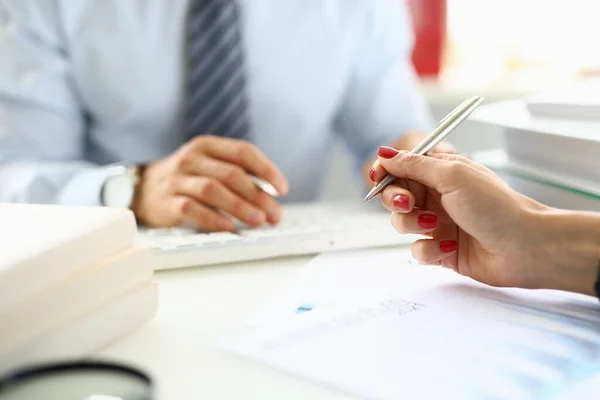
[(77, 382)]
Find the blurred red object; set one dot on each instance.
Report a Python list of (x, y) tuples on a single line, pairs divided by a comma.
[(429, 21)]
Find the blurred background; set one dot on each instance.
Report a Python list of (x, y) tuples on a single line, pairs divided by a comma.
[(498, 49)]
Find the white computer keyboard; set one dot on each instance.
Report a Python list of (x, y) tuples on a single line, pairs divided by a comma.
[(305, 229)]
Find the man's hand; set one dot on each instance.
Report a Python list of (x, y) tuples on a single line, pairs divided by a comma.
[(204, 177), (406, 142)]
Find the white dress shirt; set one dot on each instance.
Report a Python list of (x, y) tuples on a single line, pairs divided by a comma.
[(85, 84)]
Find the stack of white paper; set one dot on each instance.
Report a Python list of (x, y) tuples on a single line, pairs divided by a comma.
[(555, 189), (577, 101), (71, 281), (564, 146), (378, 325)]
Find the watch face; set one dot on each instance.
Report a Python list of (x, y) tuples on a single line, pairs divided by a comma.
[(118, 191)]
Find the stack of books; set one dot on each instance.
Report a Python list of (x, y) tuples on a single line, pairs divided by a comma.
[(551, 146), (72, 280)]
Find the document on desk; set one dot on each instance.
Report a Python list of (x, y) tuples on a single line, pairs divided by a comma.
[(378, 325)]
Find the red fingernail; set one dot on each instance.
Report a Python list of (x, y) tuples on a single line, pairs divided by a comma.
[(427, 221), (448, 246), (372, 174), (387, 152), (400, 201)]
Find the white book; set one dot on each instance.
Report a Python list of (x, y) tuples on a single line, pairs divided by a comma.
[(42, 244), (75, 296), (85, 336)]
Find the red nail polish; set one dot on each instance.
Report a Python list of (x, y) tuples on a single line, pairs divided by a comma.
[(427, 221), (372, 174), (401, 201), (448, 246), (387, 152)]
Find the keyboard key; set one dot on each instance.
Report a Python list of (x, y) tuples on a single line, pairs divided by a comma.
[(207, 238), (202, 238), (182, 231), (155, 232), (258, 233), (168, 232), (224, 236), (176, 240)]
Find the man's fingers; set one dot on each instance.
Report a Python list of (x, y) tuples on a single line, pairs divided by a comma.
[(185, 208), (211, 192), (240, 183), (245, 155)]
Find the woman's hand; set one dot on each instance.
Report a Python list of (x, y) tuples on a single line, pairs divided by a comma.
[(407, 141), (483, 229), (477, 225)]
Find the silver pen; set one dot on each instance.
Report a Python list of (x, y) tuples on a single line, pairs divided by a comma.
[(446, 125), (265, 186)]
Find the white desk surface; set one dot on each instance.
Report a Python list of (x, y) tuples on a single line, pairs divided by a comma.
[(197, 307)]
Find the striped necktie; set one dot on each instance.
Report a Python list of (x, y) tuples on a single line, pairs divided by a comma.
[(216, 103)]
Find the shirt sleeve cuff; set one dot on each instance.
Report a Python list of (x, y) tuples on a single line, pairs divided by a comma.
[(85, 188)]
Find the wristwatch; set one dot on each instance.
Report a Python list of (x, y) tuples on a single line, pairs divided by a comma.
[(119, 187)]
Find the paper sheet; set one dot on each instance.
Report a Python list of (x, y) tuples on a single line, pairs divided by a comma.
[(378, 325)]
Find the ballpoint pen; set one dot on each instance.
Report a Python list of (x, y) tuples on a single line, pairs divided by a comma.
[(265, 186), (446, 125)]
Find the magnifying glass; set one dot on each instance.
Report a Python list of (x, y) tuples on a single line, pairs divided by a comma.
[(77, 381)]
